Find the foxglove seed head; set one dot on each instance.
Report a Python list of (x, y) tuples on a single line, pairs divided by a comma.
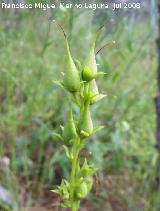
[(86, 124), (90, 67), (81, 191), (89, 71), (71, 80), (69, 132)]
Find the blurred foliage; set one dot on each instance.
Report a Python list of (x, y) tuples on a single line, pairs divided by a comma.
[(32, 107)]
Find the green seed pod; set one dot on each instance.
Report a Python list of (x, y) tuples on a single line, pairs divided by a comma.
[(81, 190), (69, 132), (85, 123), (90, 67), (71, 80)]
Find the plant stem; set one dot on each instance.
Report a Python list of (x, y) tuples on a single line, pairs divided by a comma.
[(72, 180)]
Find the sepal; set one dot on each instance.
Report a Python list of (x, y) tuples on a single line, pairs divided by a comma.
[(100, 74), (63, 189), (86, 170), (98, 128), (84, 134), (96, 98), (88, 74), (59, 83)]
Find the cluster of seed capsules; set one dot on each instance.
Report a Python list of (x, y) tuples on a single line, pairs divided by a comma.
[(80, 81)]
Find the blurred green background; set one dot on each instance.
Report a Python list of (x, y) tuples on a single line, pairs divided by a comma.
[(32, 53)]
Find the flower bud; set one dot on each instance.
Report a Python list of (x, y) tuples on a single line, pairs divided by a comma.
[(69, 132), (71, 80), (85, 124)]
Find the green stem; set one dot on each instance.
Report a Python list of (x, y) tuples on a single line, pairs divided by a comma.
[(72, 180)]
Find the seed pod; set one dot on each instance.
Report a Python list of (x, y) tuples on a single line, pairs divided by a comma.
[(81, 190), (90, 67), (85, 124), (69, 132), (71, 80)]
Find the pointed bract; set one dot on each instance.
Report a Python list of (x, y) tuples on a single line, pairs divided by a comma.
[(94, 93), (93, 88)]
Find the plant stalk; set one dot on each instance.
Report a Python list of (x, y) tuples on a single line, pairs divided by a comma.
[(72, 180)]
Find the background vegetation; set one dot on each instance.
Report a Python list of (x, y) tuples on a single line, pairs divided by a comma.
[(31, 57)]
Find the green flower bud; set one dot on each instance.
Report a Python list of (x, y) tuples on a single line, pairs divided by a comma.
[(85, 123), (69, 132), (71, 80)]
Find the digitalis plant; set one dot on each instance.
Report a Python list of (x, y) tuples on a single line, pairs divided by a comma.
[(79, 81)]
